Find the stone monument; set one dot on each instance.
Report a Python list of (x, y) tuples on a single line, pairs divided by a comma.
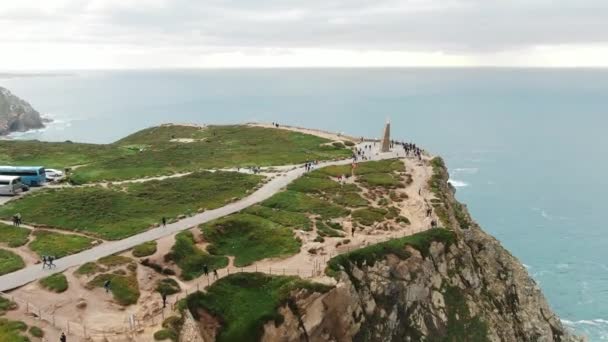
[(386, 138)]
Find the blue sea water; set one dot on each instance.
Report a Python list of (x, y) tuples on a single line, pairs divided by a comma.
[(526, 147)]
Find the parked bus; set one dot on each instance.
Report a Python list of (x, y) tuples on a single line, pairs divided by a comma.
[(10, 185), (30, 175)]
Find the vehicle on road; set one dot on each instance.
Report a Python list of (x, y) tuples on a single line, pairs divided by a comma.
[(10, 185), (30, 175), (52, 174)]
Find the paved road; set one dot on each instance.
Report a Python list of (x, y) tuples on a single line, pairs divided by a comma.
[(35, 272)]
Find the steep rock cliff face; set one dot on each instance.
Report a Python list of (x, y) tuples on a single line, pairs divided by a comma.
[(16, 115), (468, 289)]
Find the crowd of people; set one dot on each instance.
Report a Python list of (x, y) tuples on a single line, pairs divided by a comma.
[(309, 166)]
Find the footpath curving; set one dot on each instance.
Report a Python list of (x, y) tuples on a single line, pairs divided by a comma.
[(35, 272)]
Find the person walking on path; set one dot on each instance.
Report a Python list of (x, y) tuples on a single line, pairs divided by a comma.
[(215, 274), (44, 261), (63, 338), (164, 297), (206, 270), (18, 219), (50, 260), (164, 221), (106, 285)]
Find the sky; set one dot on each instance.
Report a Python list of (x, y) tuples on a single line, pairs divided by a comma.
[(117, 34)]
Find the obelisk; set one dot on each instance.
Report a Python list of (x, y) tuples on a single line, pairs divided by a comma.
[(386, 138)]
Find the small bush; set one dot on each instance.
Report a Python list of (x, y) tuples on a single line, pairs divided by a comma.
[(57, 283), (167, 286), (36, 332), (164, 334), (145, 249)]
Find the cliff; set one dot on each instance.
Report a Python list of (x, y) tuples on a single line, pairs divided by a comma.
[(456, 284), (16, 115)]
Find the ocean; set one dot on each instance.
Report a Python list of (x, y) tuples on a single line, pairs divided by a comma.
[(526, 148)]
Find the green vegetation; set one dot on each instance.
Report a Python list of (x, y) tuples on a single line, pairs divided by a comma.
[(381, 166), (461, 326), (36, 332), (313, 184), (165, 334), (54, 154), (212, 147), (244, 302), (57, 244), (10, 262), (57, 283), (191, 258), (299, 202), (115, 261), (349, 197), (118, 212), (443, 202), (380, 179), (369, 255), (125, 288), (89, 268), (369, 216), (285, 218), (6, 305), (167, 286), (13, 236), (249, 238), (172, 326), (10, 331), (145, 249), (325, 230), (334, 171)]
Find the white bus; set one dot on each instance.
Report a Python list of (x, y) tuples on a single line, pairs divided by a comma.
[(10, 185)]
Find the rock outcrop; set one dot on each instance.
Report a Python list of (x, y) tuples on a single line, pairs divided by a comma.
[(16, 115), (470, 289)]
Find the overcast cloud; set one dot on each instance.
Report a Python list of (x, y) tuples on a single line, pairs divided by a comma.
[(52, 34)]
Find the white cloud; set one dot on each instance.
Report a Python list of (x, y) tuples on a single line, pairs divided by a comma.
[(67, 34)]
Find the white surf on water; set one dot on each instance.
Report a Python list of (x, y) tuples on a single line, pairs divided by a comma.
[(458, 183)]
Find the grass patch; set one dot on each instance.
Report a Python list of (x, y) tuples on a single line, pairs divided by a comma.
[(381, 166), (349, 199), (211, 147), (11, 331), (6, 305), (165, 334), (369, 216), (167, 286), (285, 218), (191, 259), (386, 180), (36, 332), (249, 238), (56, 155), (145, 249), (10, 262), (120, 212), (309, 184), (115, 261), (324, 230), (57, 283), (303, 203), (369, 255), (57, 244), (334, 171), (89, 268), (13, 236), (244, 302), (124, 288)]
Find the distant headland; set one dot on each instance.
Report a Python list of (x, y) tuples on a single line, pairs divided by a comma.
[(17, 115)]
